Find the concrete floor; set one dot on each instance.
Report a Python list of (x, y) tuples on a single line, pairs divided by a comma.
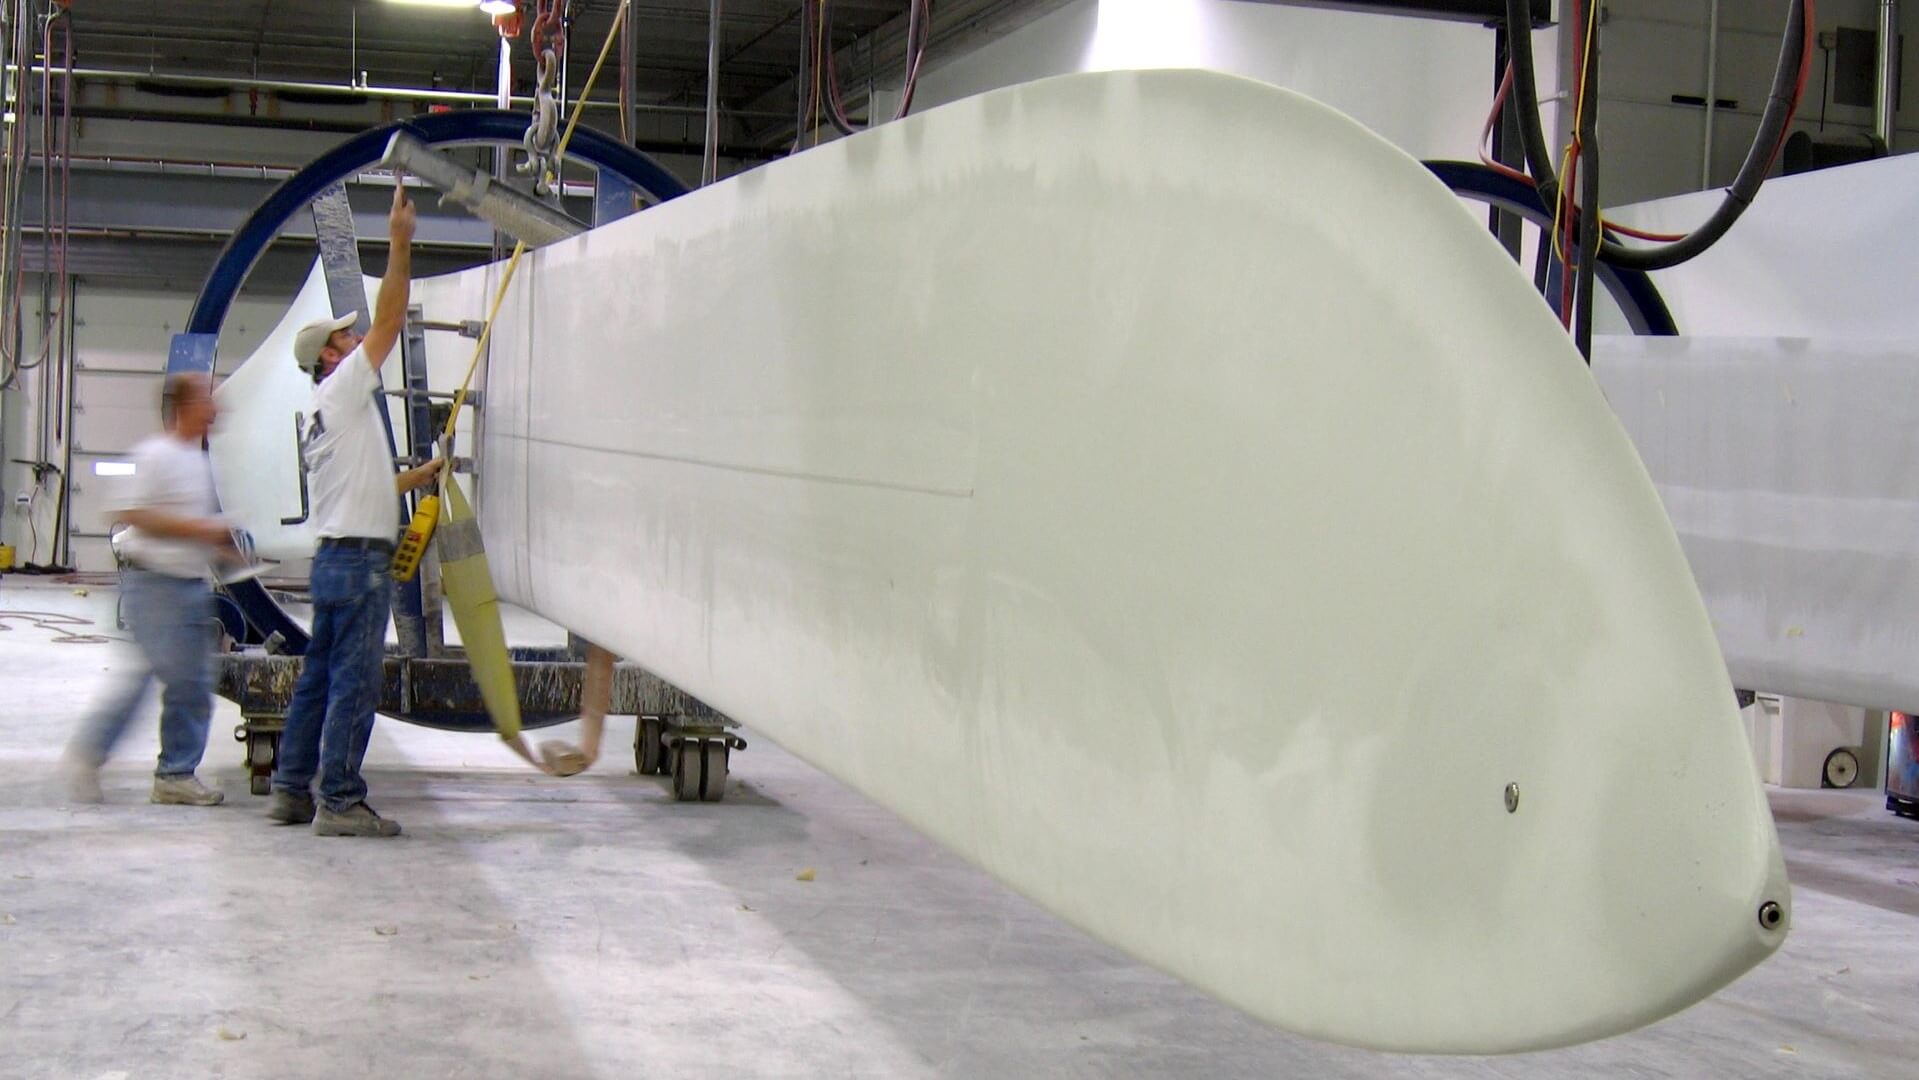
[(591, 927)]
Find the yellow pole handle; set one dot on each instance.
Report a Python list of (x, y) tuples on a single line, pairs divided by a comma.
[(419, 531), (519, 248)]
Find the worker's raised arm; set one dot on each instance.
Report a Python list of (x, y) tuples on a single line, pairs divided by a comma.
[(389, 311)]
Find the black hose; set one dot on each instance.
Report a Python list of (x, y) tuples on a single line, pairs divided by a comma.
[(1759, 157), (919, 33), (1589, 235), (835, 109)]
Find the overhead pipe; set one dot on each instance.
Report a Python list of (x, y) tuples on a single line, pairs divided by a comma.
[(252, 170), (342, 127), (397, 93), (1885, 98), (506, 208)]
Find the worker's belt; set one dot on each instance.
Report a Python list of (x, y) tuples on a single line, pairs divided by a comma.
[(357, 543)]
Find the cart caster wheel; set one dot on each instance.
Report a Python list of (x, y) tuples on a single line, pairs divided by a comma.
[(1841, 769), (713, 771), (699, 770), (649, 749), (263, 749), (686, 771)]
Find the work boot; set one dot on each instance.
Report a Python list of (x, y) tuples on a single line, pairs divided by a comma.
[(290, 807), (356, 820), (184, 791)]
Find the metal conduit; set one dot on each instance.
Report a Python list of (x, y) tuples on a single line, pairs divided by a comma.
[(385, 92), (1885, 98)]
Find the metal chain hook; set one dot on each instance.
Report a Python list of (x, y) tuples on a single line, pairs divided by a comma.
[(543, 134)]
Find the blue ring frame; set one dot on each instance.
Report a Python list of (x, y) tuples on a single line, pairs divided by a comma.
[(1633, 290), (341, 163)]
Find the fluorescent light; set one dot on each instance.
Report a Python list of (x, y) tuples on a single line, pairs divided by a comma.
[(438, 3), (113, 468), (499, 7), (1150, 34)]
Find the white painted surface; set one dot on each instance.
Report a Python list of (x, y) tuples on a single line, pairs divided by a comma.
[(1161, 491), (1790, 468), (1766, 736), (1820, 255)]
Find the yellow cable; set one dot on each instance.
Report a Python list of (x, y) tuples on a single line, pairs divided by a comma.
[(1579, 109), (519, 248), (426, 516), (486, 335), (579, 107)]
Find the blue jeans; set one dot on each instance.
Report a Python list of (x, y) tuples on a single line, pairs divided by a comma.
[(173, 624), (331, 716)]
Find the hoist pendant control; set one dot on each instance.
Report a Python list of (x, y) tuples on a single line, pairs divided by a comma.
[(419, 532)]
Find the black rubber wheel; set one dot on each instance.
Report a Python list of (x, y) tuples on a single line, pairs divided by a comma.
[(713, 770), (688, 769), (649, 751), (263, 751), (1841, 769)]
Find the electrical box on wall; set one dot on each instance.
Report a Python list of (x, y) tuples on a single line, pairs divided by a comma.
[(1479, 11), (1855, 65)]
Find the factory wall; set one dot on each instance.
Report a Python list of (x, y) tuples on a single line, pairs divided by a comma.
[(119, 344), (1657, 50)]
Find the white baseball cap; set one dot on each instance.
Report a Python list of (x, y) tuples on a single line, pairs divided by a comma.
[(314, 336)]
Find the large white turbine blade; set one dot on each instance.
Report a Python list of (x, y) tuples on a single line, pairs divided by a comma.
[(1159, 489)]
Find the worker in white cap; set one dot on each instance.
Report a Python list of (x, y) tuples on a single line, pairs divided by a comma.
[(356, 516)]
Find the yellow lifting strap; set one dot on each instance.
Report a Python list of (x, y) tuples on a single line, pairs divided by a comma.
[(465, 578), (419, 531), (467, 581)]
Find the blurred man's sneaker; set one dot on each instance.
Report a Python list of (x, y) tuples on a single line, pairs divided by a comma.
[(184, 791), (82, 782)]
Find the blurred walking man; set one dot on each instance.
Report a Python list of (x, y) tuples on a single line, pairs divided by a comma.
[(174, 538)]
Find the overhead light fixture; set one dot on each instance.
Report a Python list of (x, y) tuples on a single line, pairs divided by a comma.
[(499, 7), (1152, 34), (438, 3)]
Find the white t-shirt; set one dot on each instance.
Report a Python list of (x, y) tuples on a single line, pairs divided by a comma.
[(174, 477), (349, 466)]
